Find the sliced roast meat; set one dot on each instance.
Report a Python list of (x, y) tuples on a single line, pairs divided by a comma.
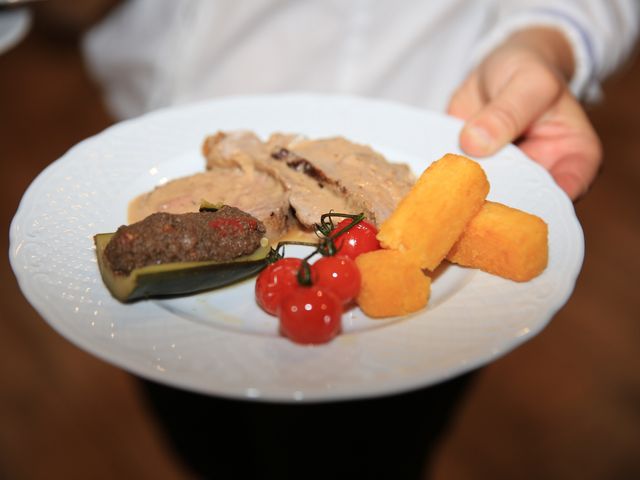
[(307, 194), (367, 181), (239, 148), (255, 192)]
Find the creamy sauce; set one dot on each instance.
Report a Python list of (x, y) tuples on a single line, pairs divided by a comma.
[(298, 234)]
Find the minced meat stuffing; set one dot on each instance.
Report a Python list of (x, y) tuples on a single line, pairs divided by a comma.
[(187, 237)]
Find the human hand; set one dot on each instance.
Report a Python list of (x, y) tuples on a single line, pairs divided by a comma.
[(519, 94)]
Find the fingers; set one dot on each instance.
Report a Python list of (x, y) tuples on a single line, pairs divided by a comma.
[(466, 100), (574, 173), (504, 100), (566, 144), (526, 95), (569, 181)]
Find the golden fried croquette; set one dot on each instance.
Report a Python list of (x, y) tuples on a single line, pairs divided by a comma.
[(432, 216), (503, 241), (392, 284)]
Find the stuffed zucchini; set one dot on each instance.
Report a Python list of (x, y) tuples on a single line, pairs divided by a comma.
[(177, 254)]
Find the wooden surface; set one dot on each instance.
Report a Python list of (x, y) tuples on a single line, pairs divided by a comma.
[(564, 405)]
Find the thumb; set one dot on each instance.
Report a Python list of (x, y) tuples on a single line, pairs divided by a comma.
[(516, 105)]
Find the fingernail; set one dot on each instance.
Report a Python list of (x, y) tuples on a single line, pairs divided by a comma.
[(477, 141)]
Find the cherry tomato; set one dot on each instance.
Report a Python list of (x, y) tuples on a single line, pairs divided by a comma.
[(310, 315), (360, 238), (338, 274), (276, 281)]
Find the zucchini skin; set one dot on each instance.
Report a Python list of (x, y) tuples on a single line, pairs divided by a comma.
[(178, 278)]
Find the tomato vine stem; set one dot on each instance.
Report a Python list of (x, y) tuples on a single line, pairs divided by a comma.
[(326, 244)]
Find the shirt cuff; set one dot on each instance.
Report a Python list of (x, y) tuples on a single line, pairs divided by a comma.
[(584, 83)]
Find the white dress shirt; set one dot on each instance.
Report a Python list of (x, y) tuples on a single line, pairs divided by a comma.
[(153, 53)]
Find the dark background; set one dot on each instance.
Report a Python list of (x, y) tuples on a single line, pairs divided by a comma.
[(564, 405)]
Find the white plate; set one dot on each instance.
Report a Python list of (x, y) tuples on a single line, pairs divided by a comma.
[(14, 25), (221, 343)]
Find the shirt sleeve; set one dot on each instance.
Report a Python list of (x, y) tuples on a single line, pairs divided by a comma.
[(602, 34)]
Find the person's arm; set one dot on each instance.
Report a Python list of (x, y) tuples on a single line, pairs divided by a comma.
[(525, 87)]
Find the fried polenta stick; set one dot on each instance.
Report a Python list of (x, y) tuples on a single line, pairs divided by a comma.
[(433, 215), (503, 241)]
